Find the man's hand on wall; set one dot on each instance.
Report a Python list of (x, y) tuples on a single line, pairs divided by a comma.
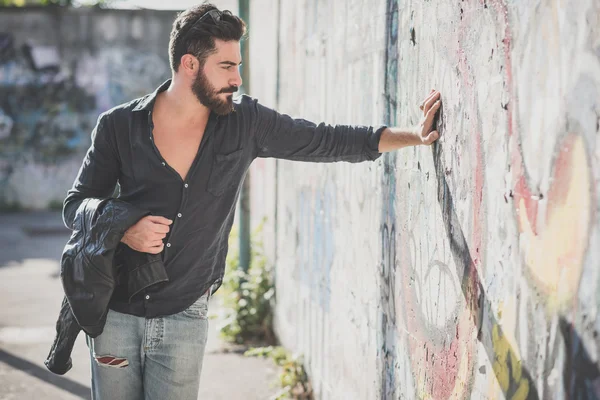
[(397, 138), (430, 107)]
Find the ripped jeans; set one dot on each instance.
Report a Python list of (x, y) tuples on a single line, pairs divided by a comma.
[(150, 359)]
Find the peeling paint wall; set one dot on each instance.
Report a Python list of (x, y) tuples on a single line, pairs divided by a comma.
[(262, 30), (60, 68), (464, 270)]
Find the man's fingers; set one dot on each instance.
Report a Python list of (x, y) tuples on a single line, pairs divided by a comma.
[(155, 249), (432, 137), (433, 109), (159, 228), (431, 113), (430, 101), (428, 120), (157, 219), (422, 105)]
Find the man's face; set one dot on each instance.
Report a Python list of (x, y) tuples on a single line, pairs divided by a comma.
[(220, 77)]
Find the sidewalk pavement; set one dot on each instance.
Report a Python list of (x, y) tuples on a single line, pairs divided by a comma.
[(30, 298)]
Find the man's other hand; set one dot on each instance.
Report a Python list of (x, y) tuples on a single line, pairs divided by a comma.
[(147, 234)]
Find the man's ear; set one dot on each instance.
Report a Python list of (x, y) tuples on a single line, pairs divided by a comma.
[(189, 64)]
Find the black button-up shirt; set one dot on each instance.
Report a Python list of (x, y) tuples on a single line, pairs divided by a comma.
[(202, 207)]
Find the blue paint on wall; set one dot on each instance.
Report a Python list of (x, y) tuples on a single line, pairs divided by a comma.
[(316, 243), (387, 271)]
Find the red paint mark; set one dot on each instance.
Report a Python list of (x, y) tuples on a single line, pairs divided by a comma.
[(445, 361), (560, 184), (522, 190), (562, 175)]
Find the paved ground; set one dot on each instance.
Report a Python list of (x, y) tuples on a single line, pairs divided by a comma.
[(30, 297)]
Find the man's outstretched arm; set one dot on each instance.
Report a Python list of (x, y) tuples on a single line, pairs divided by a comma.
[(281, 136), (397, 138)]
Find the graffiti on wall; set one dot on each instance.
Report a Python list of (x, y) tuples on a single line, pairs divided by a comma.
[(50, 99), (554, 224), (120, 74), (442, 304), (487, 281), (44, 115), (315, 243), (554, 205), (314, 260), (387, 337)]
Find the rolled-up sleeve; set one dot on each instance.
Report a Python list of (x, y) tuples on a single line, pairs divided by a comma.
[(99, 171), (281, 136)]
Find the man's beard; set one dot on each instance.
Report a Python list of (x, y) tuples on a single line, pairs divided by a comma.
[(209, 96)]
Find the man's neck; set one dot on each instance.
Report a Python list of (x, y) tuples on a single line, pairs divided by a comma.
[(179, 105)]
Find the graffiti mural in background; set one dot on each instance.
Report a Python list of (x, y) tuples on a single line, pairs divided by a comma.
[(120, 74), (387, 337), (44, 115), (487, 281), (315, 253), (315, 243), (50, 99), (554, 200), (554, 220)]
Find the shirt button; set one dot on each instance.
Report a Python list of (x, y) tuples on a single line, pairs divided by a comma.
[(168, 244), (179, 215), (164, 164), (186, 185), (147, 297)]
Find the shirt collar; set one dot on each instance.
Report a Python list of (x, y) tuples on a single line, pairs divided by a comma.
[(147, 102)]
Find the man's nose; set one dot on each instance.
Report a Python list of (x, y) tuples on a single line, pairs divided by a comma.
[(237, 79)]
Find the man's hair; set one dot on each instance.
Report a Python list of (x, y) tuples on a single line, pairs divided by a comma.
[(192, 36)]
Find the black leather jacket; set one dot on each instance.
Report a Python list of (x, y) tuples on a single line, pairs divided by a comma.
[(93, 263)]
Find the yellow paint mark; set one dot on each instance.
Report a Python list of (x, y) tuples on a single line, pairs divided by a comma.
[(505, 375), (522, 391), (516, 366), (555, 256), (500, 350)]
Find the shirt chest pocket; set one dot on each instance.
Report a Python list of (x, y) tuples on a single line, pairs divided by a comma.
[(227, 172)]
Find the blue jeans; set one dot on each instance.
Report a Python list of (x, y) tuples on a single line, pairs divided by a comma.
[(145, 359)]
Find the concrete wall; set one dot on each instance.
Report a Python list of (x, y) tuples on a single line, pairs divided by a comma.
[(262, 32), (464, 270), (60, 68)]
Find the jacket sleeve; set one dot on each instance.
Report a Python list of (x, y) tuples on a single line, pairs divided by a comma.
[(67, 329), (99, 172), (281, 136)]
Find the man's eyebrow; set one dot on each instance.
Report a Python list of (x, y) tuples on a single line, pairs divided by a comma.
[(229, 63)]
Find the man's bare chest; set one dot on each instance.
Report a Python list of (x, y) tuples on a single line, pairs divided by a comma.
[(178, 149)]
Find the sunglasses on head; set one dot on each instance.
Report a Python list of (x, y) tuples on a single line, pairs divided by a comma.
[(215, 15)]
